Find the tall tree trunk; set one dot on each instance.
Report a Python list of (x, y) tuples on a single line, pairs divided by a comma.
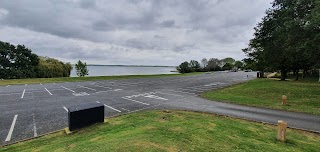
[(283, 73), (297, 75)]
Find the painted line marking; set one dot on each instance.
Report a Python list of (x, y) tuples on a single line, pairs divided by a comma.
[(34, 127), (183, 92), (66, 109), (155, 97), (11, 128), (135, 101), (68, 89), (23, 93), (109, 90), (87, 88), (110, 107), (170, 94), (48, 91)]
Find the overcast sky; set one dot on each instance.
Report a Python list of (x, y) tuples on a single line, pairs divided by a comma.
[(139, 32)]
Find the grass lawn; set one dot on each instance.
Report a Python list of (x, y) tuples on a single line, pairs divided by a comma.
[(173, 131), (303, 96), (93, 78)]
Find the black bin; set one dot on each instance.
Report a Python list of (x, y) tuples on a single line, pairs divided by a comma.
[(84, 115)]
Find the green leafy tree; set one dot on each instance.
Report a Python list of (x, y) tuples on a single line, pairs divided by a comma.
[(214, 64), (194, 65), (286, 39), (227, 66), (184, 68), (229, 60), (204, 63), (81, 69), (17, 61), (50, 68), (238, 64)]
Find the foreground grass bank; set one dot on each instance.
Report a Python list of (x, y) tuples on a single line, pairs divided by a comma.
[(303, 96), (93, 78), (173, 131)]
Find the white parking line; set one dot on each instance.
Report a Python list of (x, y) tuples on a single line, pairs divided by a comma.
[(155, 97), (182, 92), (110, 107), (136, 101), (11, 128), (87, 88), (48, 91), (170, 94), (23, 93), (34, 127), (68, 89), (66, 109)]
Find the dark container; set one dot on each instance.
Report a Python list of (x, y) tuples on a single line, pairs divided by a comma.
[(84, 115)]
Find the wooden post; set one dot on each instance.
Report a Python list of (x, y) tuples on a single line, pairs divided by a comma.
[(284, 100), (282, 125)]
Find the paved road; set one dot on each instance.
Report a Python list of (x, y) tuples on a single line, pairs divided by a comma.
[(31, 110)]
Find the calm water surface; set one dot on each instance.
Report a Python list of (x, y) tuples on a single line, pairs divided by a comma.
[(125, 70)]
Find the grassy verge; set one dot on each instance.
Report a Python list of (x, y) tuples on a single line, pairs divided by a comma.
[(303, 96), (93, 78), (173, 131)]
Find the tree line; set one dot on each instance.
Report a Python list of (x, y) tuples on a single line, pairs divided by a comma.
[(213, 64), (287, 38), (18, 62)]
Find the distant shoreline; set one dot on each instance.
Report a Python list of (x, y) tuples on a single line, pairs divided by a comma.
[(129, 65)]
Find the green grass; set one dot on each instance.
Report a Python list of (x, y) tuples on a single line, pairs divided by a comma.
[(303, 96), (93, 78), (173, 131)]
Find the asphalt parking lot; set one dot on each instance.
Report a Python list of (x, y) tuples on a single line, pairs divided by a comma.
[(28, 111)]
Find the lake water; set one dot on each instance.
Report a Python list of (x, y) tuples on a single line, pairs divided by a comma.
[(125, 70)]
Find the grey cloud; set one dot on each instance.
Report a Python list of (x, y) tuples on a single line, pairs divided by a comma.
[(103, 26), (179, 26), (168, 23)]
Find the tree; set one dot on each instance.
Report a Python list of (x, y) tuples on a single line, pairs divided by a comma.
[(184, 68), (81, 69), (50, 68), (229, 60), (17, 61), (238, 64), (204, 63), (286, 39), (227, 66), (194, 65), (214, 64)]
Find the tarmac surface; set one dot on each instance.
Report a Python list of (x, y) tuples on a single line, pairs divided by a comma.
[(31, 110)]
